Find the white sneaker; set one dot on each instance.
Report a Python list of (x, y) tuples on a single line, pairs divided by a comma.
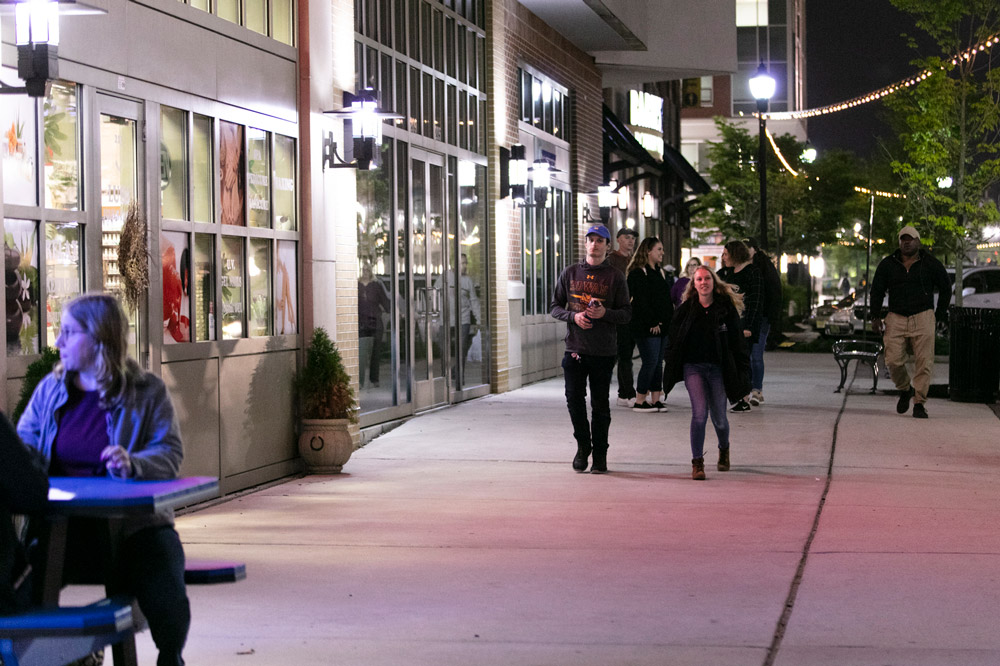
[(759, 395), (754, 398), (626, 402)]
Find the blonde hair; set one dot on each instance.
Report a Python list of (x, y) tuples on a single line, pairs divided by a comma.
[(101, 316), (721, 289)]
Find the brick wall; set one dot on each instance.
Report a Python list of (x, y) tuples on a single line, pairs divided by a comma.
[(532, 42)]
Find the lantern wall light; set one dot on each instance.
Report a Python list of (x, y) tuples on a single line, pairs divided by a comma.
[(36, 32), (362, 132)]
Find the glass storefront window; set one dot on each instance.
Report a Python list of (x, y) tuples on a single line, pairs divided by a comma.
[(260, 287), (63, 275), (199, 4), (282, 23), (175, 258), (256, 18), (231, 172), (232, 288), (428, 105), (173, 163), (285, 289), (20, 245), (285, 217), (17, 119), (204, 286), (259, 178), (60, 157), (201, 170), (473, 123), (228, 10)]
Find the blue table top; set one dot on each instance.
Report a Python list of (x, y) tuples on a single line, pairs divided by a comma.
[(107, 496)]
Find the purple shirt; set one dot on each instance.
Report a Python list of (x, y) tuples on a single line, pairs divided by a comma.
[(82, 435)]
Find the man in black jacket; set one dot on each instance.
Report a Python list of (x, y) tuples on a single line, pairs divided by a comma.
[(24, 488), (771, 316), (911, 276)]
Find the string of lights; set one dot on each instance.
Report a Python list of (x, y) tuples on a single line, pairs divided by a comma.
[(781, 158), (876, 95), (879, 193)]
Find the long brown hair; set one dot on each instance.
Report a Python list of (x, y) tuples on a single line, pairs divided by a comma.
[(101, 316), (721, 289), (640, 259)]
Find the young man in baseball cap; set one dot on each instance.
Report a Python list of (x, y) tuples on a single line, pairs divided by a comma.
[(592, 298)]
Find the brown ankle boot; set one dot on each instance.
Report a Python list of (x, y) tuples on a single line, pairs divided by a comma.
[(698, 469), (723, 460)]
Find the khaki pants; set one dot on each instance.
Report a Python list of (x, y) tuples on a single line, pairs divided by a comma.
[(910, 335)]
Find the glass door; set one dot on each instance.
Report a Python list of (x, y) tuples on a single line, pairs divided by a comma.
[(429, 256), (119, 127)]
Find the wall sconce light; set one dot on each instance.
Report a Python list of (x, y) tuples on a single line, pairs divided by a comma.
[(623, 198), (36, 32), (518, 172), (606, 195), (363, 119), (647, 205), (541, 176)]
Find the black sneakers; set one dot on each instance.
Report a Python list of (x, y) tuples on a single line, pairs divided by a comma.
[(741, 406), (644, 408), (903, 404), (919, 411)]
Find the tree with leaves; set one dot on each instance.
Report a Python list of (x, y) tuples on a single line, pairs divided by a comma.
[(814, 202), (949, 126)]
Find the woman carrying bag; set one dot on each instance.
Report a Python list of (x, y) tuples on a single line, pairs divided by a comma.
[(706, 350)]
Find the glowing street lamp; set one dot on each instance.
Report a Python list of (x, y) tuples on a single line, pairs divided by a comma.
[(762, 87)]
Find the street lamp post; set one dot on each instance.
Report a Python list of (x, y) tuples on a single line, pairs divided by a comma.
[(762, 88)]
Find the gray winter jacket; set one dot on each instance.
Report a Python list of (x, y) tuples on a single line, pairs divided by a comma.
[(143, 423)]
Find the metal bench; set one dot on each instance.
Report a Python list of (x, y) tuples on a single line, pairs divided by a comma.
[(47, 636), (862, 351)]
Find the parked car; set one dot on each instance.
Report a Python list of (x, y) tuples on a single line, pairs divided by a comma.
[(821, 313), (980, 286), (848, 321)]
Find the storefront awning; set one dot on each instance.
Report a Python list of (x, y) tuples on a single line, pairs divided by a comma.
[(618, 139)]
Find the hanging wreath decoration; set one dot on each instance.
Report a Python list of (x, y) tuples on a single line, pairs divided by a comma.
[(133, 257)]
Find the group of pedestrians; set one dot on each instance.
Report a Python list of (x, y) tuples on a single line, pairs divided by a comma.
[(710, 331), (704, 342)]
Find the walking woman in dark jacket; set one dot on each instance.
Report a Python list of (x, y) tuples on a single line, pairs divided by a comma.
[(706, 349), (651, 313), (740, 272)]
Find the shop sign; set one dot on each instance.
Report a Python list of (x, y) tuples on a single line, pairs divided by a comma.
[(646, 121)]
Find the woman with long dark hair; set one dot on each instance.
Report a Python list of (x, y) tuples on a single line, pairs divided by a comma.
[(99, 413), (706, 350), (740, 272), (651, 313)]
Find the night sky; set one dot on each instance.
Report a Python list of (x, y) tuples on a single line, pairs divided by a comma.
[(852, 48)]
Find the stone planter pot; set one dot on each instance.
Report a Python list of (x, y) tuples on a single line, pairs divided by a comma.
[(325, 445)]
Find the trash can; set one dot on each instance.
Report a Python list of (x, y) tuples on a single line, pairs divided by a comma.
[(974, 359)]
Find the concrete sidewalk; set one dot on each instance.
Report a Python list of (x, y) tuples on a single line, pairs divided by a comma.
[(845, 534)]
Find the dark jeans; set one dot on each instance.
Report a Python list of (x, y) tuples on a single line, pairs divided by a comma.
[(708, 395), (757, 356), (626, 383), (651, 371), (149, 566), (577, 371)]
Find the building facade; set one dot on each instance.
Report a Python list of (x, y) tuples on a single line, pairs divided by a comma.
[(210, 122)]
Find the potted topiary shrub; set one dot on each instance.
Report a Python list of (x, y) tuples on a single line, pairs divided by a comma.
[(326, 407)]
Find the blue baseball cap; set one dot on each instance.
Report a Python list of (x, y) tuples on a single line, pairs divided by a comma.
[(601, 231)]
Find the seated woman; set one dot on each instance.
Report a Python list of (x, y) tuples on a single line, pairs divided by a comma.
[(99, 413)]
